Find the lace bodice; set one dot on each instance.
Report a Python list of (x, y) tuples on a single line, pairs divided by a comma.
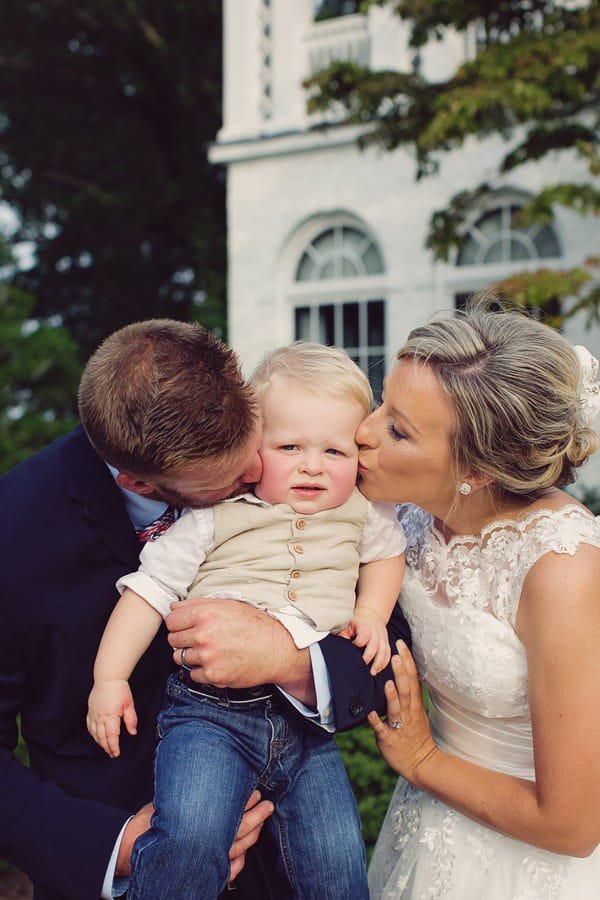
[(461, 599)]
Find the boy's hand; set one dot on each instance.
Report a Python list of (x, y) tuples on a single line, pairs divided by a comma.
[(109, 702), (368, 630)]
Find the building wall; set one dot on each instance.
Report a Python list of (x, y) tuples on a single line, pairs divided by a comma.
[(286, 182)]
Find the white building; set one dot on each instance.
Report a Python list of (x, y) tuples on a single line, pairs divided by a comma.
[(326, 242)]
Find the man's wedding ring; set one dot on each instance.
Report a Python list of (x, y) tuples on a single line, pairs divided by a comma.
[(184, 665), (395, 723)]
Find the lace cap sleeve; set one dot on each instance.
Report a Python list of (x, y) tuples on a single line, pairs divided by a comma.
[(560, 531), (416, 524), (515, 549)]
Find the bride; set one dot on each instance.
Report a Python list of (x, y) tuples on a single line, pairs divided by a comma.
[(485, 418)]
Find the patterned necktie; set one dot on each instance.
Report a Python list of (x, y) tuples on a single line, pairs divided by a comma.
[(155, 529)]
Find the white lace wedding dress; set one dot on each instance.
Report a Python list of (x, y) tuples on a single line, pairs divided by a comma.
[(461, 601)]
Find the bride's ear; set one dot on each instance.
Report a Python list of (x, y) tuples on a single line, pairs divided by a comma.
[(477, 480)]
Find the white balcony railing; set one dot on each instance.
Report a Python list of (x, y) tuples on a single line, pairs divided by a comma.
[(345, 38)]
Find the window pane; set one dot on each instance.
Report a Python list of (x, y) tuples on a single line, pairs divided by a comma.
[(495, 252), (340, 252), (324, 242), (375, 374), (490, 223), (546, 243), (372, 260), (375, 324), (326, 334), (306, 269), (498, 237), (348, 268), (329, 9), (518, 250), (350, 315), (468, 252), (302, 323), (329, 270), (344, 325), (352, 238)]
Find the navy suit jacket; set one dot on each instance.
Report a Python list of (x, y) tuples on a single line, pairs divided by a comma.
[(65, 538)]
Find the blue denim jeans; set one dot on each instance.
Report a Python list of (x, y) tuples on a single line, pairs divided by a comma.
[(209, 759)]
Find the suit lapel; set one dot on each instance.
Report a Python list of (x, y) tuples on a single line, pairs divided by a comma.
[(90, 484)]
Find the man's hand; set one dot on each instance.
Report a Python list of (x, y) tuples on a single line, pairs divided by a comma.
[(256, 813), (233, 644), (137, 825)]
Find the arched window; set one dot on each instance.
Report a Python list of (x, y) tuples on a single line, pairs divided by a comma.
[(337, 296), (496, 237), (496, 244), (340, 252)]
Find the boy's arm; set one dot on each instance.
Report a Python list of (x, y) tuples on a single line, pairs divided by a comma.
[(132, 626), (378, 587), (129, 632), (379, 583)]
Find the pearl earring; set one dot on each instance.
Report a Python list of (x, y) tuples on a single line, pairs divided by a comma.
[(465, 488)]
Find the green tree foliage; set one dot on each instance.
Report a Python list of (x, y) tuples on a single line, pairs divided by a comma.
[(590, 497), (39, 373), (534, 80), (106, 110)]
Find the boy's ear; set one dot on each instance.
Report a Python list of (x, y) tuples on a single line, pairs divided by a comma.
[(136, 485)]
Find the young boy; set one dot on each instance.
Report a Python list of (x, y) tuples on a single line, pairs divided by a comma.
[(295, 547)]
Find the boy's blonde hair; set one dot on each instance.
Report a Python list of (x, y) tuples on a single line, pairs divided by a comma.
[(319, 369)]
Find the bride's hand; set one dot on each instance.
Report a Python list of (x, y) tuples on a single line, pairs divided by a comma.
[(404, 740)]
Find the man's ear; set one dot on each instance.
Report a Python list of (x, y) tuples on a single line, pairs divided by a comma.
[(136, 485)]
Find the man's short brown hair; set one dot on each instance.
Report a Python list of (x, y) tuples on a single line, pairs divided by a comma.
[(160, 394)]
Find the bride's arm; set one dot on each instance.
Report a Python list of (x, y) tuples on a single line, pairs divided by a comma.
[(559, 624)]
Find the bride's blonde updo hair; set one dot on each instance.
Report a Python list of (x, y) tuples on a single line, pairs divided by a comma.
[(514, 385)]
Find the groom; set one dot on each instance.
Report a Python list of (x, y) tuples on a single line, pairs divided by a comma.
[(167, 420)]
